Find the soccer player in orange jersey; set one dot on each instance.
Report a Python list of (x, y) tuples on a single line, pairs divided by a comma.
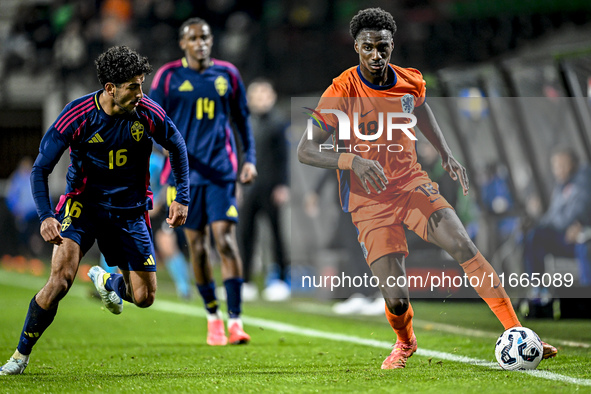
[(389, 190)]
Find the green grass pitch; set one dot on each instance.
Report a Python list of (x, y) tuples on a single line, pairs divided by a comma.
[(296, 347)]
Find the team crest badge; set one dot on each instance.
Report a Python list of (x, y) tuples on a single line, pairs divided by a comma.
[(408, 103), (137, 131), (221, 85), (66, 223)]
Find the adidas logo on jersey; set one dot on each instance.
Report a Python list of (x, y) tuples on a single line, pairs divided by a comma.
[(97, 138), (186, 87)]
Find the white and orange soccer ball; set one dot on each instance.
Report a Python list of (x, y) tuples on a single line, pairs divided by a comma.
[(519, 348)]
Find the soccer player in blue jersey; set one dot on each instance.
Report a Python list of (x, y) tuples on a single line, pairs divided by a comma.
[(203, 96), (109, 134)]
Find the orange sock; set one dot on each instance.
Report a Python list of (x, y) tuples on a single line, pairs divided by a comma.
[(496, 298), (402, 325)]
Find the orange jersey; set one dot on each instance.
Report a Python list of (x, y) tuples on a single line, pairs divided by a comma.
[(367, 106)]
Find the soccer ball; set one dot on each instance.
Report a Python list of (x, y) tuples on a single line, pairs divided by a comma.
[(518, 349)]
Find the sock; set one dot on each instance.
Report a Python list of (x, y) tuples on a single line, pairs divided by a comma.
[(177, 269), (233, 295), (214, 316), (496, 298), (115, 282), (402, 324), (208, 294), (19, 356), (37, 320), (233, 321)]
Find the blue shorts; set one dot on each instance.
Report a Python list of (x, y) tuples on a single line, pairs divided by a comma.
[(212, 203), (125, 239)]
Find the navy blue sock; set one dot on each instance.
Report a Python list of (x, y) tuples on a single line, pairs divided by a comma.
[(208, 294), (116, 283), (37, 320), (234, 297)]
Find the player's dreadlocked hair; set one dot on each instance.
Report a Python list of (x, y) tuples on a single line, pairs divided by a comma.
[(189, 22), (120, 64), (372, 19)]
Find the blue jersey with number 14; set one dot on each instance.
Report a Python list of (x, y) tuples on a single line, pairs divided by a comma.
[(202, 105)]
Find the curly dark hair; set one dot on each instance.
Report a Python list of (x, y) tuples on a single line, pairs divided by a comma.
[(189, 22), (372, 19), (120, 64)]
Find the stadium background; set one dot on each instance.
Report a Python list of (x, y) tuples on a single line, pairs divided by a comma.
[(536, 53)]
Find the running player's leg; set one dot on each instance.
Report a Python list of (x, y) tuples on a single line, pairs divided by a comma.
[(224, 233), (198, 254), (196, 234), (223, 217), (383, 243), (141, 287), (43, 307), (446, 231), (127, 243), (399, 312)]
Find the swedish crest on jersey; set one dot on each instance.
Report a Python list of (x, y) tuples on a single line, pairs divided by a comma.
[(66, 223), (408, 103), (137, 130), (221, 85)]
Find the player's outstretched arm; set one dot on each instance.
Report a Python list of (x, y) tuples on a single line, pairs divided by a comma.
[(310, 152), (430, 129)]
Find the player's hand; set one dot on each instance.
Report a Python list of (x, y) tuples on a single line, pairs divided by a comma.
[(50, 231), (456, 171), (370, 171), (177, 214), (248, 173)]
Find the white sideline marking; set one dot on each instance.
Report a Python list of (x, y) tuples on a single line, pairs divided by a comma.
[(173, 307), (430, 326), (33, 283)]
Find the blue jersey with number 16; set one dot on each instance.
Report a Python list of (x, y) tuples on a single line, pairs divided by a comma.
[(109, 155)]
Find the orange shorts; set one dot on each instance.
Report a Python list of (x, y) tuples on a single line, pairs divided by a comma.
[(381, 226)]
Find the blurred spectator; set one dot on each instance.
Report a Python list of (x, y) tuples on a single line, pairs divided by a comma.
[(29, 40), (70, 53), (560, 231), (19, 200), (498, 200), (269, 193)]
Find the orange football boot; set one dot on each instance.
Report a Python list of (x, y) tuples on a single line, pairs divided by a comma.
[(549, 351), (237, 334), (402, 351), (216, 335)]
